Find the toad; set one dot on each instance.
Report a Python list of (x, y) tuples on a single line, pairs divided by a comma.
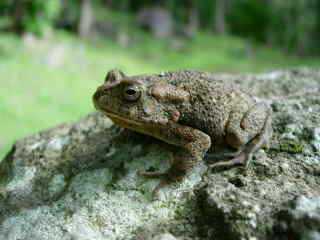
[(195, 111)]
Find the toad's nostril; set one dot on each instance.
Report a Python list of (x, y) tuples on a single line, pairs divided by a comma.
[(101, 89)]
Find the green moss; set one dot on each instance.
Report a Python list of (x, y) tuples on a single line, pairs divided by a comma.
[(99, 222), (291, 146)]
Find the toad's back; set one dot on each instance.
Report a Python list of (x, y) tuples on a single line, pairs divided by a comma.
[(211, 103)]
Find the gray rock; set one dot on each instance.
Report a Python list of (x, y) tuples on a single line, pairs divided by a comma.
[(238, 204), (79, 181), (316, 139), (300, 219), (166, 236)]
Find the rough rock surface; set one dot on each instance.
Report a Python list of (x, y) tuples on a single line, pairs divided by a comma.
[(300, 219), (79, 181)]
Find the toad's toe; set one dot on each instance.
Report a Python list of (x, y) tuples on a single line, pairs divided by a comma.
[(241, 160)]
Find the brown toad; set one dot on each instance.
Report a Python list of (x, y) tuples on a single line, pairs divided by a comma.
[(192, 110)]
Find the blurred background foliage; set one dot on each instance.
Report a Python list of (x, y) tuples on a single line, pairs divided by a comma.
[(291, 25), (54, 53)]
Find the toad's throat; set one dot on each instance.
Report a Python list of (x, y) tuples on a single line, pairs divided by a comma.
[(123, 122), (137, 126)]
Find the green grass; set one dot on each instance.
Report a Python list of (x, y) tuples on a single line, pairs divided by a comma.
[(35, 95)]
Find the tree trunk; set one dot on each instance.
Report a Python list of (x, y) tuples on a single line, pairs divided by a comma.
[(86, 19), (17, 16), (193, 19), (220, 15), (109, 3)]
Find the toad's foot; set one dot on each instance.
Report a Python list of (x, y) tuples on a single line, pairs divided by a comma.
[(245, 156), (163, 183), (166, 180), (150, 174), (241, 160), (221, 155)]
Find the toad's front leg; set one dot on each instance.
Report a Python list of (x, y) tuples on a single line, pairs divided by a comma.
[(192, 144)]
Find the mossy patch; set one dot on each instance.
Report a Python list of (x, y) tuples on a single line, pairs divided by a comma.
[(291, 146)]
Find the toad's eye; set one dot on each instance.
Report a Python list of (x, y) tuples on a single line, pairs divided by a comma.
[(131, 93)]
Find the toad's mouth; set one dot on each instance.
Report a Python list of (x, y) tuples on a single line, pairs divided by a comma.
[(123, 121), (117, 118)]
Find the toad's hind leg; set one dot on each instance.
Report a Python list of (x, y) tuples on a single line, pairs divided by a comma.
[(259, 140)]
